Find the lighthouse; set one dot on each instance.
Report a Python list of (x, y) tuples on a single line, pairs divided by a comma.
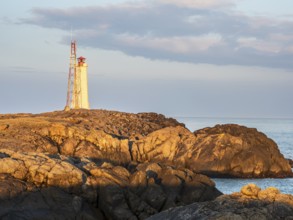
[(77, 91), (81, 99)]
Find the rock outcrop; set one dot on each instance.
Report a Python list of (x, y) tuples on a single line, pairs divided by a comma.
[(36, 184), (250, 203), (41, 170), (97, 164), (170, 145), (99, 134), (222, 151), (149, 189), (234, 150), (121, 124), (290, 162), (120, 138), (23, 200), (80, 152)]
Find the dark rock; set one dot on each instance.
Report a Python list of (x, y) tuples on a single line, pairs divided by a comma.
[(147, 191), (114, 204), (21, 200), (11, 187), (236, 206), (85, 187)]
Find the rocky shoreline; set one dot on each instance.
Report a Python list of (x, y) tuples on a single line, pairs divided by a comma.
[(250, 203), (99, 164)]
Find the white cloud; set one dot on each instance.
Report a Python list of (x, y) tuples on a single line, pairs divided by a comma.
[(189, 31), (201, 4), (260, 45), (178, 45)]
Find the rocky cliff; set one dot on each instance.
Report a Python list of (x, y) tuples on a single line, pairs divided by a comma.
[(221, 151), (98, 164), (99, 134), (45, 186), (122, 138), (79, 165)]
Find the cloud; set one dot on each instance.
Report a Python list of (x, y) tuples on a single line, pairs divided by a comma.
[(199, 3), (180, 45), (260, 45), (186, 31)]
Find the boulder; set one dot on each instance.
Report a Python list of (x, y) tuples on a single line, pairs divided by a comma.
[(221, 151), (170, 145), (260, 204), (250, 190), (234, 150)]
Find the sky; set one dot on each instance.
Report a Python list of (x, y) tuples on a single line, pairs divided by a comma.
[(192, 58)]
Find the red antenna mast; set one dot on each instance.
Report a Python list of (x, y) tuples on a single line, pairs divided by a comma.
[(71, 76)]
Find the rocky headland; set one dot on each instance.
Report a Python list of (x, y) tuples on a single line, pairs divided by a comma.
[(98, 164)]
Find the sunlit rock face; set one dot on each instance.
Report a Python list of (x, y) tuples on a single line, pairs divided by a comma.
[(122, 138), (221, 151), (41, 170), (98, 134), (235, 150), (250, 203), (170, 145)]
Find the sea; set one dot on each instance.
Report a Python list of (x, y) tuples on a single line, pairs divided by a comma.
[(280, 130)]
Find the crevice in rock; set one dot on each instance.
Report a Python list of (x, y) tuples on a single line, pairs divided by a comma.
[(119, 137), (54, 143), (130, 144)]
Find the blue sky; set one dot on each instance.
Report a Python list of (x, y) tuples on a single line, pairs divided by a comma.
[(228, 58)]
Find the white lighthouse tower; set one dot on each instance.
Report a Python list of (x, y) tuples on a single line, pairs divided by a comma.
[(77, 93), (81, 99)]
